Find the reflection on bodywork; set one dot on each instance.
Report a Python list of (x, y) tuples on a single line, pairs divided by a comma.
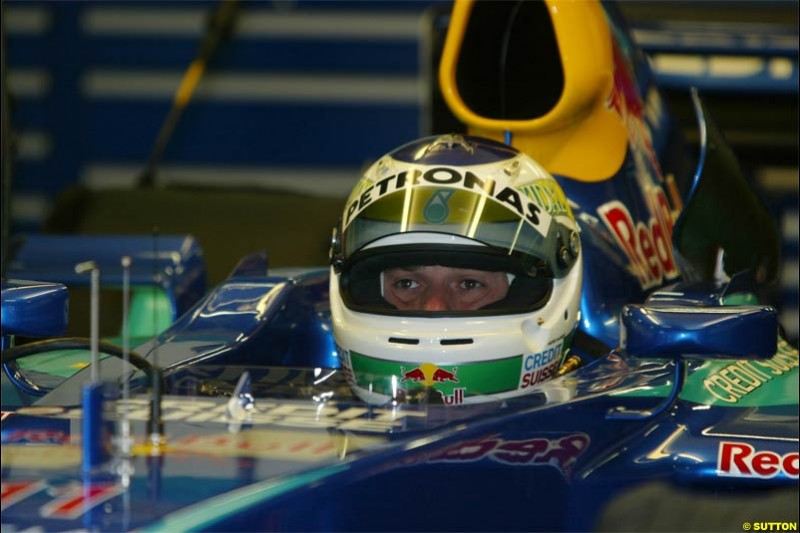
[(560, 452), (240, 298), (274, 444)]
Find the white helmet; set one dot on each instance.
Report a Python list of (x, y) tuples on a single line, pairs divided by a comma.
[(462, 203)]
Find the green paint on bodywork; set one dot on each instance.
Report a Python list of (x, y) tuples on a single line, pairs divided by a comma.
[(205, 514), (65, 363), (740, 383), (741, 298), (61, 363), (149, 314)]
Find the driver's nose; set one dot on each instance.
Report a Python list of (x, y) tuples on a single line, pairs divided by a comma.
[(435, 302)]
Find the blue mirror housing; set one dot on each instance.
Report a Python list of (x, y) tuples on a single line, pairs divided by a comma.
[(715, 332), (33, 309)]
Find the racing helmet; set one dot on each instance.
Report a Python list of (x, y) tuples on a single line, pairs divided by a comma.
[(457, 204)]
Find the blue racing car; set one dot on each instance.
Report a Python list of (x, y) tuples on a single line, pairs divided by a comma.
[(535, 325)]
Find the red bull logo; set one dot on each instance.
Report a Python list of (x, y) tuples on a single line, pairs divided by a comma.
[(416, 375), (454, 398), (441, 375), (428, 374), (648, 245), (739, 459)]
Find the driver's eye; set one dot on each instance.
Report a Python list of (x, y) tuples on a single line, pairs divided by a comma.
[(471, 284), (406, 284)]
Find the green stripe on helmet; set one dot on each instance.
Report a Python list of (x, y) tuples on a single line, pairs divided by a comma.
[(478, 378)]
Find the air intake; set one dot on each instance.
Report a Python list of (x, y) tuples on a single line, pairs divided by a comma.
[(510, 66), (454, 342), (398, 340)]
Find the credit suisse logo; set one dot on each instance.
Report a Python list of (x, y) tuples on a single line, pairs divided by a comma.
[(739, 459)]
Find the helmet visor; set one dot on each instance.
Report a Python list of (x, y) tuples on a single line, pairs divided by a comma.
[(506, 220)]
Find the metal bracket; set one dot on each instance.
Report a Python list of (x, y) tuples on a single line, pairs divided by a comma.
[(620, 413)]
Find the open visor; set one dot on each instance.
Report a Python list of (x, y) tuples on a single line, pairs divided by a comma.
[(361, 280)]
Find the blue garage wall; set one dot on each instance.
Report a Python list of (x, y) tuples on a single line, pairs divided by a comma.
[(309, 88)]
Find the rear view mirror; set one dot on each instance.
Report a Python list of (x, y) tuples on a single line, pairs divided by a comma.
[(33, 309), (680, 332), (724, 332)]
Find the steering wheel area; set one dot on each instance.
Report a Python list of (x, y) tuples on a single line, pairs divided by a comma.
[(10, 356)]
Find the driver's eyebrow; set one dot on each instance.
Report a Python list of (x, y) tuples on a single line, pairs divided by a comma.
[(407, 269)]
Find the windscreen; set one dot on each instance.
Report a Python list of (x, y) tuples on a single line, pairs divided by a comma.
[(748, 237)]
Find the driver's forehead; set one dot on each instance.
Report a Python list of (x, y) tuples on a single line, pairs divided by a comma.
[(441, 271)]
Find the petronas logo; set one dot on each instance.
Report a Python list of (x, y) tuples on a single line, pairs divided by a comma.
[(436, 210)]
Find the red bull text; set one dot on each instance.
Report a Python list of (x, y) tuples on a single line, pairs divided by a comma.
[(455, 398)]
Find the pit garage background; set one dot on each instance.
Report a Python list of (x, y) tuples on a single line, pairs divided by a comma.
[(301, 95)]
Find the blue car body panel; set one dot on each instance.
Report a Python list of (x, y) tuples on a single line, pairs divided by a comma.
[(173, 263), (254, 320)]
